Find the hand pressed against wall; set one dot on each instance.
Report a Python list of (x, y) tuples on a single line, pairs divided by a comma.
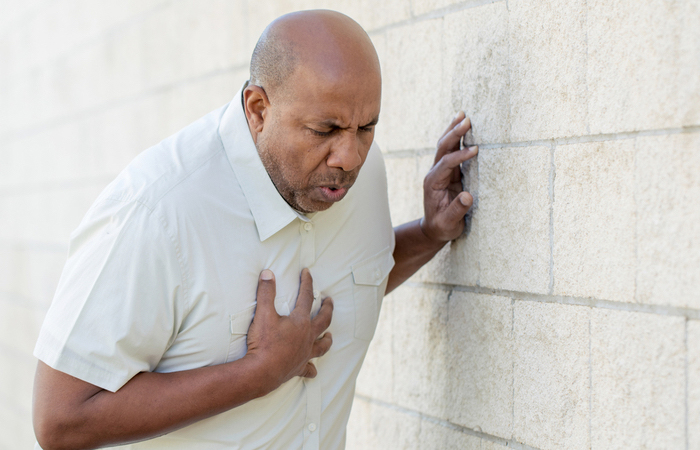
[(444, 202)]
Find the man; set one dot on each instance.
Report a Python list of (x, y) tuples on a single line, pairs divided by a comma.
[(182, 320)]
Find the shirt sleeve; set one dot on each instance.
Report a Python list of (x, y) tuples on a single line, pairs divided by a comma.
[(118, 304)]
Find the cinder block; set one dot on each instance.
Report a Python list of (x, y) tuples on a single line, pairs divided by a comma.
[(421, 360), (30, 275), (187, 103), (594, 220), (45, 217), (17, 428), (374, 427), (55, 153), (180, 41), (425, 6), (643, 80), (475, 70), (668, 219), (16, 391), (551, 382), (376, 378), (411, 109), (638, 380), (514, 248), (405, 189), (20, 326), (16, 10), (547, 42), (193, 38), (693, 342), (372, 15), (458, 261), (380, 133), (437, 437), (480, 363)]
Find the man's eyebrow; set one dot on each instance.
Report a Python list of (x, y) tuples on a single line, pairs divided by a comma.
[(372, 123), (331, 123)]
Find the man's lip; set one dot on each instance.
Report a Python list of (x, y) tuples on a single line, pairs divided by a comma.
[(332, 195)]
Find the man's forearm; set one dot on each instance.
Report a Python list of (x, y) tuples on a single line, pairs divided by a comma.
[(413, 249), (72, 414)]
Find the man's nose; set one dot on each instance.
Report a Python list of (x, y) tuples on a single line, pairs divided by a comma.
[(346, 153)]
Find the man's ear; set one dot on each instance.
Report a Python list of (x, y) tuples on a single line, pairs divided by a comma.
[(256, 103)]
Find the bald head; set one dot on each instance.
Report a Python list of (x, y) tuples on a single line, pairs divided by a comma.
[(327, 43)]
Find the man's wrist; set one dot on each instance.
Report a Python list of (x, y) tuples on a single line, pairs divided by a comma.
[(261, 380), (430, 241)]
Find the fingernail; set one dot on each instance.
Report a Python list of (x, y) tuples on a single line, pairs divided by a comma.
[(266, 275), (464, 122), (473, 147), (463, 200)]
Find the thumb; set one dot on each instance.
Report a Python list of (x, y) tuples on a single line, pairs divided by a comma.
[(267, 290), (459, 207)]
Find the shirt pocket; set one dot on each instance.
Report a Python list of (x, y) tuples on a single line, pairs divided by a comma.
[(240, 324), (368, 277)]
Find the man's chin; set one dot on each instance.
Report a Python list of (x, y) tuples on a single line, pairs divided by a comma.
[(316, 204), (312, 206)]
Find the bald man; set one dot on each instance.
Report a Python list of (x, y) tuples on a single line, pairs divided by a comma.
[(187, 316)]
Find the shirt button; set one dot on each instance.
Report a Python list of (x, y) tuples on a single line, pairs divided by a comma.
[(312, 427), (308, 226), (317, 294), (377, 274)]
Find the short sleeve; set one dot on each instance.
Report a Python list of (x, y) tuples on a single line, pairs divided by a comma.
[(119, 302)]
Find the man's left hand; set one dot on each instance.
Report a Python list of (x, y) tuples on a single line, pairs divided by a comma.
[(444, 202)]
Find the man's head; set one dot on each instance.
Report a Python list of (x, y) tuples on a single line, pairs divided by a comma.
[(312, 104)]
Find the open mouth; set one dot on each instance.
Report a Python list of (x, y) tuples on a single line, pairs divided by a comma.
[(332, 193)]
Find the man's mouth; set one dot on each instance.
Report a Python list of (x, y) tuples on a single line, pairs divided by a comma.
[(332, 193)]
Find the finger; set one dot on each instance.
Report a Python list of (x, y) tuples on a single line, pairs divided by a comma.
[(450, 141), (323, 319), (306, 294), (322, 345), (267, 290), (444, 169), (459, 207), (457, 119), (309, 371)]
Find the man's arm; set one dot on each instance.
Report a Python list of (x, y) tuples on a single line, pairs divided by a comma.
[(444, 203), (72, 414)]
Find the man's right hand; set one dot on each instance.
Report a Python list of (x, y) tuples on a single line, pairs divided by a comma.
[(285, 345), (71, 413)]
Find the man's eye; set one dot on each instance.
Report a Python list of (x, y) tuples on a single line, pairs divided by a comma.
[(366, 129), (320, 133)]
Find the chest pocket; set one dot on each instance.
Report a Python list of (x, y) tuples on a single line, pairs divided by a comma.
[(369, 282), (240, 324)]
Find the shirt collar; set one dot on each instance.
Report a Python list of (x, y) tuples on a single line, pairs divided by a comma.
[(270, 211)]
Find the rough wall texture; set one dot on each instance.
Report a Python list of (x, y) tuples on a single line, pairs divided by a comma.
[(568, 316)]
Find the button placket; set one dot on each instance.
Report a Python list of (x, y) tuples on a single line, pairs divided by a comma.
[(313, 414), (308, 248)]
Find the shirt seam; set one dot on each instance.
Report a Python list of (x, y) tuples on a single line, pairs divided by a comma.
[(178, 252)]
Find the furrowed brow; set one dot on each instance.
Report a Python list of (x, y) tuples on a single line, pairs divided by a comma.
[(372, 123)]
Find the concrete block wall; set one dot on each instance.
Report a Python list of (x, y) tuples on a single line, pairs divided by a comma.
[(567, 316)]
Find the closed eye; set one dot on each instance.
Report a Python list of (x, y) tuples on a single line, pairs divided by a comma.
[(320, 133)]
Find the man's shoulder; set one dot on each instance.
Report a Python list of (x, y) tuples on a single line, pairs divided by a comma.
[(157, 171)]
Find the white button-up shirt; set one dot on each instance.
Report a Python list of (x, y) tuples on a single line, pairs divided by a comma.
[(162, 276)]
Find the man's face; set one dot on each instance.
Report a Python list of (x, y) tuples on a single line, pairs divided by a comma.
[(316, 136)]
